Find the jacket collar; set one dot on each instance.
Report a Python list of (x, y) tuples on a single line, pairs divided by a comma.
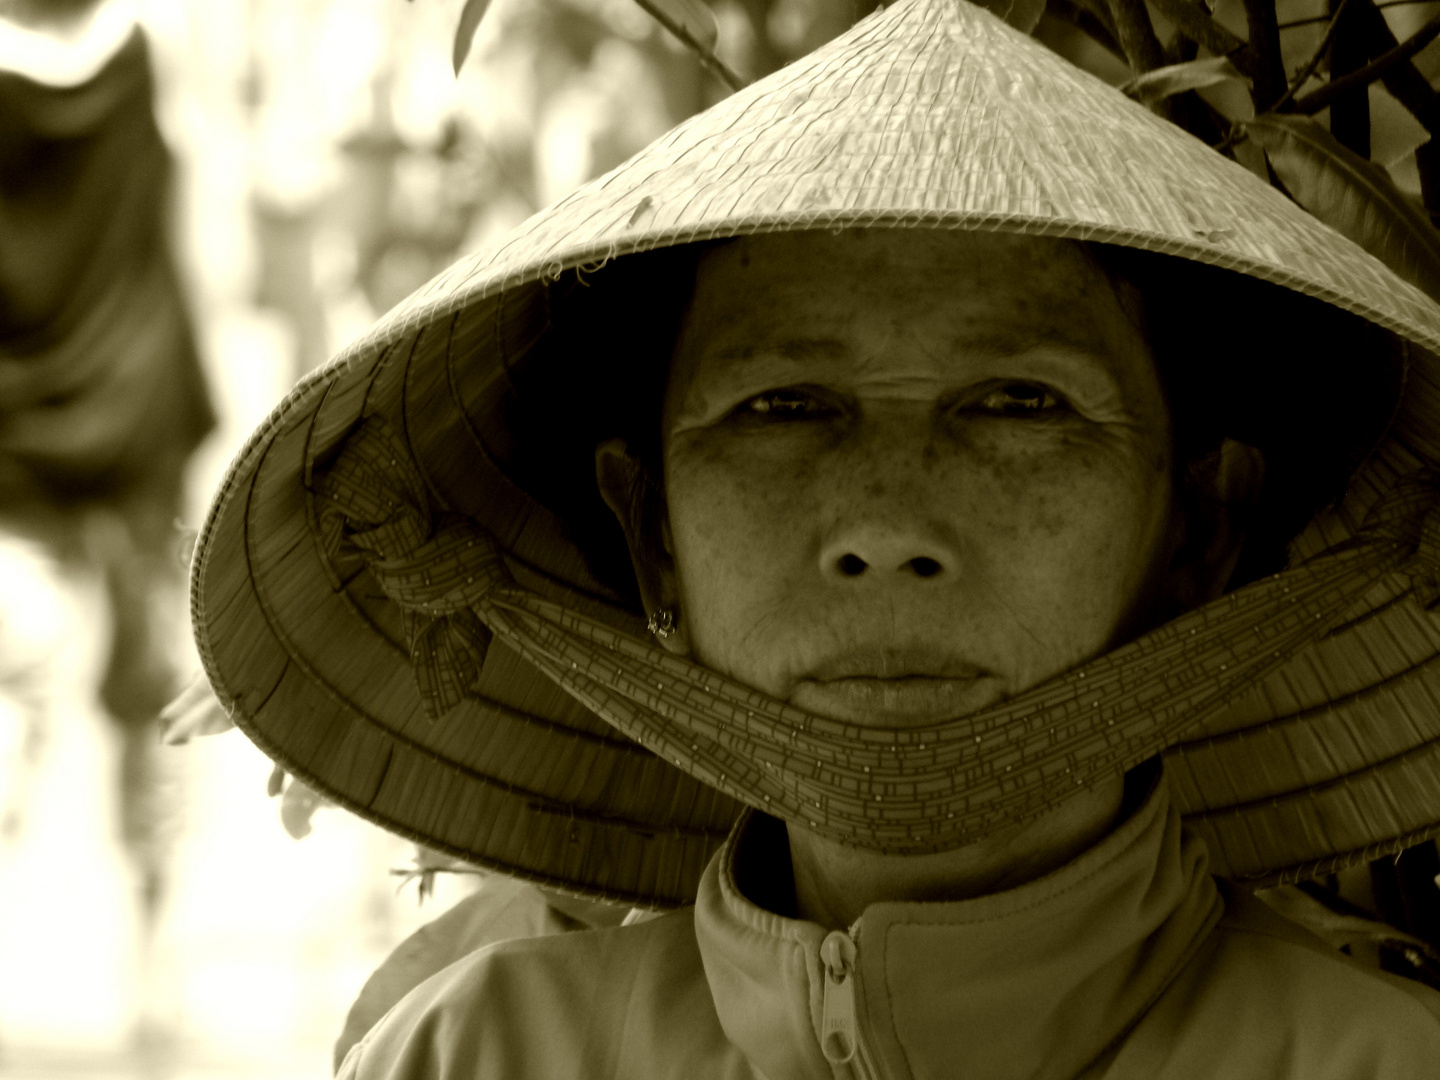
[(1033, 982)]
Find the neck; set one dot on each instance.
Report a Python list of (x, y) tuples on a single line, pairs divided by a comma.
[(835, 883)]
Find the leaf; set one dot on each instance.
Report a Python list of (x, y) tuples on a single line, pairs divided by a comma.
[(1337, 929), (1024, 15), (1174, 79), (430, 859), (1395, 134), (1355, 197), (696, 18), (470, 16), (297, 807), (195, 711)]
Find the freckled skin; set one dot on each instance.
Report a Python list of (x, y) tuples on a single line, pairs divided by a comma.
[(1049, 527)]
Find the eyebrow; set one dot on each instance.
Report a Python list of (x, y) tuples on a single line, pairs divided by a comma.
[(999, 343), (1018, 342), (789, 349)]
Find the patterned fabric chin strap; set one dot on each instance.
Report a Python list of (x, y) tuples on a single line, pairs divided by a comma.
[(913, 790)]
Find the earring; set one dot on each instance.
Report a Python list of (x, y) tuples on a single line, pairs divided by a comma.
[(661, 623)]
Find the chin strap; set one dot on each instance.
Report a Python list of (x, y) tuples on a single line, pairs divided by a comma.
[(913, 790)]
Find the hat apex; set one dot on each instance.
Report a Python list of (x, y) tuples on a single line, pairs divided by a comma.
[(936, 114)]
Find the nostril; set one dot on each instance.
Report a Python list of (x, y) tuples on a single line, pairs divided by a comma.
[(852, 565), (924, 567)]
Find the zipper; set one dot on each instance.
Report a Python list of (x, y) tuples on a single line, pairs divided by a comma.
[(837, 1014), (839, 1031)]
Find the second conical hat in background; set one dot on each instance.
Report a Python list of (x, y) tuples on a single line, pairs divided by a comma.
[(928, 114)]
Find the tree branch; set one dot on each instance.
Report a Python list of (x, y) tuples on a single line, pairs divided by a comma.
[(1350, 115), (1136, 35), (1374, 71), (1326, 18), (1269, 68), (1099, 11), (708, 60), (1410, 87), (1315, 57)]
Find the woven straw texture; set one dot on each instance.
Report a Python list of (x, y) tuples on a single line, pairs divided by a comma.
[(929, 114)]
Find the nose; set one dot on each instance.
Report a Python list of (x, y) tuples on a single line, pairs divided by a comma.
[(881, 550), (887, 500)]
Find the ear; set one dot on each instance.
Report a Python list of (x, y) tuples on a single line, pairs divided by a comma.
[(1229, 482), (621, 482)]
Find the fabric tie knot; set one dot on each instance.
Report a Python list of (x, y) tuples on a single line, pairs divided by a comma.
[(436, 567), (1409, 516), (1424, 566)]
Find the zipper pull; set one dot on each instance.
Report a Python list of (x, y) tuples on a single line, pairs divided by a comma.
[(837, 1015)]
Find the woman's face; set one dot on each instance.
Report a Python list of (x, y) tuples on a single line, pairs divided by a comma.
[(909, 473)]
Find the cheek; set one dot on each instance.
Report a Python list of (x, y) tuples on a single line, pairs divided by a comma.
[(1071, 540), (717, 497), (740, 532)]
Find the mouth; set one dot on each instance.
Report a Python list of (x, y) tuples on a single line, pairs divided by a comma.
[(894, 689), (892, 664)]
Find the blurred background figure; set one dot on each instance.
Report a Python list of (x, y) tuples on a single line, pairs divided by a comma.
[(102, 399)]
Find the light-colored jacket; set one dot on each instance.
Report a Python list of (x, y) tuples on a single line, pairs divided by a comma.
[(1128, 963)]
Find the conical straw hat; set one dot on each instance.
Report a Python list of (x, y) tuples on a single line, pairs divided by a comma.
[(928, 114)]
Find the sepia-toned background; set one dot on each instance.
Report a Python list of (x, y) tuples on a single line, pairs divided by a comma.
[(162, 913)]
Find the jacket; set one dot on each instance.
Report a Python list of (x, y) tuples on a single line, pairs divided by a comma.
[(1129, 963)]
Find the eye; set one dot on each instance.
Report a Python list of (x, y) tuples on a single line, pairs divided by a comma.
[(1020, 399), (787, 404)]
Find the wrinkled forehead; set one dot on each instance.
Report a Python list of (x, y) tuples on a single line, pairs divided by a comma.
[(895, 304)]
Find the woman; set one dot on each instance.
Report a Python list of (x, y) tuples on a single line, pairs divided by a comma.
[(927, 502)]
